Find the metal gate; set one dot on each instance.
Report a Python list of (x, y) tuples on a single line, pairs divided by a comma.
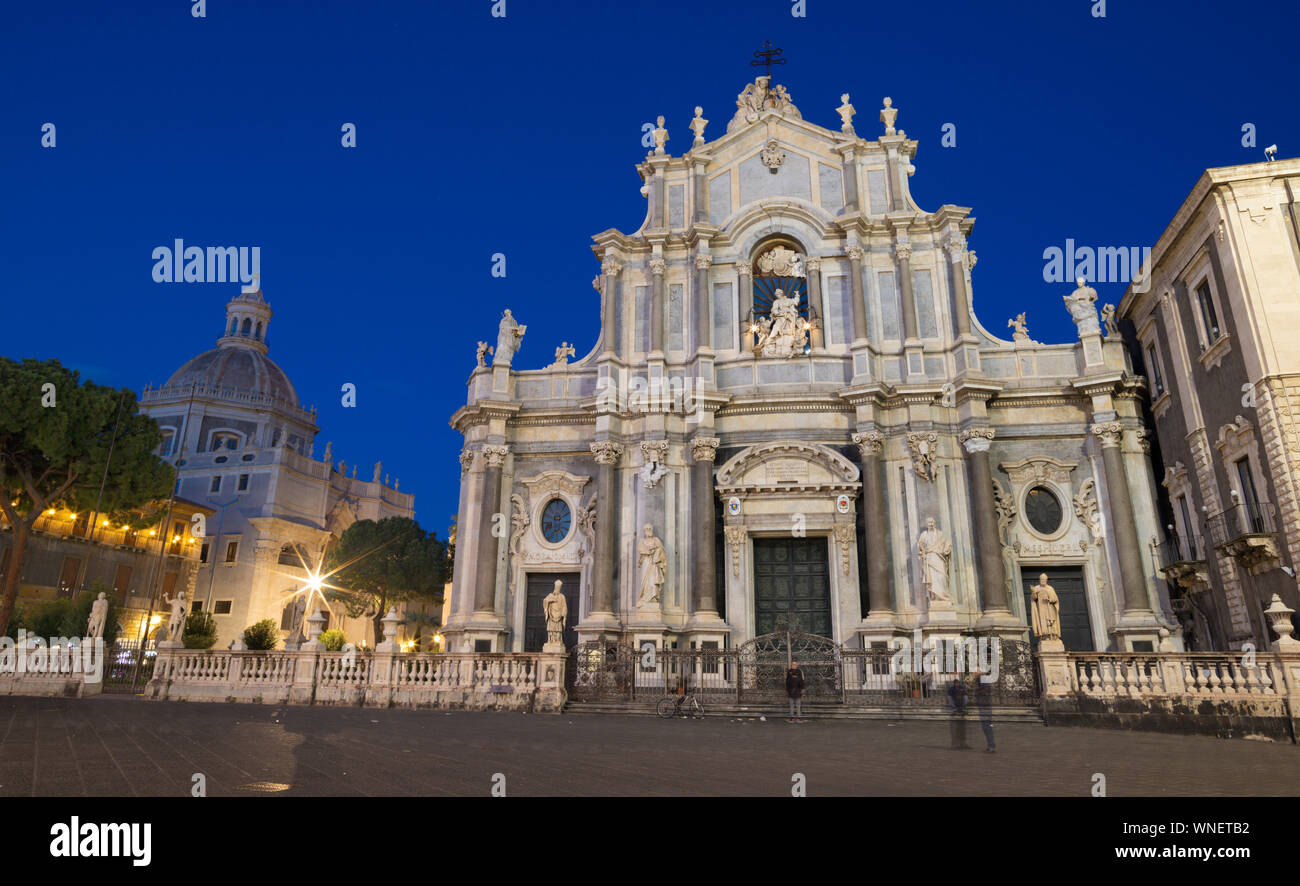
[(763, 661), (121, 673), (601, 671)]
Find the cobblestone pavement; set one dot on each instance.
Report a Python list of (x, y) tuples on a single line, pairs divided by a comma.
[(124, 746)]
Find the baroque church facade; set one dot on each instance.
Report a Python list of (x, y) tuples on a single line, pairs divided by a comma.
[(793, 418), (243, 446)]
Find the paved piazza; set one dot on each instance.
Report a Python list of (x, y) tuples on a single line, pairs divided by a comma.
[(130, 747)]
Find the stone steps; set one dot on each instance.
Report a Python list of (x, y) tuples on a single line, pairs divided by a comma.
[(1001, 713)]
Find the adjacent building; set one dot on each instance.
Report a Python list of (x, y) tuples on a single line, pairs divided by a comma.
[(792, 417), (244, 447), (1215, 323)]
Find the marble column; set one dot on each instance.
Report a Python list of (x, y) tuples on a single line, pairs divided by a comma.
[(870, 446), (703, 319), (605, 548), (961, 295), (703, 566), (485, 578), (701, 193), (462, 597), (613, 272), (1131, 595), (817, 334), (745, 287), (855, 288), (657, 268), (904, 253), (992, 572)]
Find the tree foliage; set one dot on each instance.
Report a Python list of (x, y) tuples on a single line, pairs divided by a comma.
[(56, 433), (262, 636), (381, 563)]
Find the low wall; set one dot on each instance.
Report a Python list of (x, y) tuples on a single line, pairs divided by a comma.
[(531, 682), (1228, 695)]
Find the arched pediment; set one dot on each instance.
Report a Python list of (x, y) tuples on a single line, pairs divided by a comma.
[(787, 215), (788, 465)]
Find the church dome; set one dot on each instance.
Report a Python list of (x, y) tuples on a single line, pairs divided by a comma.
[(241, 369), (239, 362)]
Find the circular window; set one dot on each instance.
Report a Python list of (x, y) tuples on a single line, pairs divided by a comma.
[(556, 520), (1043, 510)]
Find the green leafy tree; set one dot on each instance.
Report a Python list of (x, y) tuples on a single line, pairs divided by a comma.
[(56, 433), (333, 640), (381, 563)]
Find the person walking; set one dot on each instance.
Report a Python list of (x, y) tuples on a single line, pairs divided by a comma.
[(794, 689), (957, 704), (984, 701)]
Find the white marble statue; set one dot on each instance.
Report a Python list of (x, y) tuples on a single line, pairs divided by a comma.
[(1021, 328), (653, 560), (1047, 610), (1108, 318), (660, 135), (98, 616), (888, 114), (936, 553), (562, 355), (176, 621), (846, 113), (509, 336), (1082, 307), (556, 609), (697, 126), (787, 334), (483, 350)]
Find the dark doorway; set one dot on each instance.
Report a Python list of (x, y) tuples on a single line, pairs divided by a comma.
[(540, 585), (791, 579), (1076, 627)]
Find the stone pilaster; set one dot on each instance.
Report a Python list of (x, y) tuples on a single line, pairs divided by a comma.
[(816, 336), (657, 268), (880, 614), (961, 295), (745, 287), (601, 617), (855, 287), (703, 567), (485, 577), (988, 541), (703, 318), (613, 279), (1131, 595)]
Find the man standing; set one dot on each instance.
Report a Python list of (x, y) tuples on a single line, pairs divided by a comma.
[(794, 689), (957, 701), (984, 701)]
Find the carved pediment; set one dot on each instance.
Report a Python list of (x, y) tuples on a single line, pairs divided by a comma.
[(781, 466), (1040, 469)]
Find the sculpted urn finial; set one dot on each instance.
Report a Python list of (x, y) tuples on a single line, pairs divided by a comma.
[(888, 114), (697, 126), (660, 136), (846, 113)]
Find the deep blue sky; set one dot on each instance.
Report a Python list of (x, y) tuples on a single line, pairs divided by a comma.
[(479, 135)]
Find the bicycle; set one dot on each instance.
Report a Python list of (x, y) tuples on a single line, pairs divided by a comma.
[(680, 706)]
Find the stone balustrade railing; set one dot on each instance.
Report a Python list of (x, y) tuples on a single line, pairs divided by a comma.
[(1209, 692), (475, 681)]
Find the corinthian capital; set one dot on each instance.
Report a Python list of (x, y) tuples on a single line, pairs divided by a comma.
[(743, 268), (870, 444), (813, 264), (607, 452), (1110, 433), (495, 455), (704, 448), (466, 461), (658, 265), (976, 439), (955, 247), (903, 251), (610, 267), (854, 253), (703, 261)]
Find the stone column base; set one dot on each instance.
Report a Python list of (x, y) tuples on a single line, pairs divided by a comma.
[(1054, 667), (1003, 623), (598, 625), (1140, 627), (550, 697)]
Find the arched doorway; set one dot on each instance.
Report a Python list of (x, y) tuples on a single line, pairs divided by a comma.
[(782, 321)]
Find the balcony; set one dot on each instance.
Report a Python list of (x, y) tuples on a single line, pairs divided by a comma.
[(1181, 559), (1248, 533)]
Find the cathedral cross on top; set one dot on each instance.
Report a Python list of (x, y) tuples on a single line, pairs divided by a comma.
[(766, 57)]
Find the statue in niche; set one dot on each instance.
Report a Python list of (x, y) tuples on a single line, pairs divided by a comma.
[(935, 551), (786, 333), (1082, 307), (1047, 610), (510, 336), (653, 560)]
